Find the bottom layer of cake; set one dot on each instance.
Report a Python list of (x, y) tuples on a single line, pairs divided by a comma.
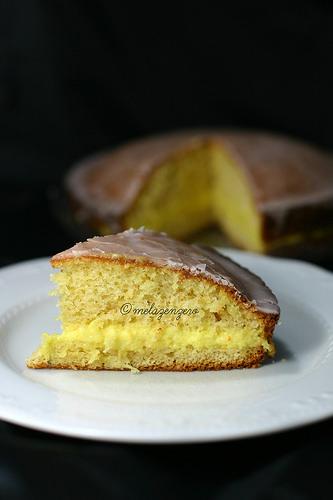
[(188, 360)]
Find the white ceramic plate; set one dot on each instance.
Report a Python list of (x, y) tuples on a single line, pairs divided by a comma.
[(294, 390)]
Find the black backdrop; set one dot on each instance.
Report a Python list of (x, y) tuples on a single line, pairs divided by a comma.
[(78, 76)]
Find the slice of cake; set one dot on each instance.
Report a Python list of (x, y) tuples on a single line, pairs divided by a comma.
[(140, 300)]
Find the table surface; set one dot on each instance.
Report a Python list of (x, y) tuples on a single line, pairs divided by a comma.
[(294, 464)]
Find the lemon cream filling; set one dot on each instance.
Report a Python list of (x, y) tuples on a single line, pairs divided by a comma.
[(100, 340)]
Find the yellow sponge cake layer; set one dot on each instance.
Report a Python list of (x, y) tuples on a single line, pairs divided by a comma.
[(177, 196), (127, 311), (235, 208)]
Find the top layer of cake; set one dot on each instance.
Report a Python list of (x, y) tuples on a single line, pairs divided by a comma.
[(282, 172), (160, 250)]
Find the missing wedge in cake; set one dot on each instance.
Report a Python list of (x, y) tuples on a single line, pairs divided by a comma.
[(139, 300)]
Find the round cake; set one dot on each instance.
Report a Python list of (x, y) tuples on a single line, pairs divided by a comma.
[(268, 193)]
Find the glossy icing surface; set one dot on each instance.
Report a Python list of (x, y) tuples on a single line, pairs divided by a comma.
[(160, 250)]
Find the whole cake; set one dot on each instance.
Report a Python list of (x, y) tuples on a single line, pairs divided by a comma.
[(140, 300), (268, 193)]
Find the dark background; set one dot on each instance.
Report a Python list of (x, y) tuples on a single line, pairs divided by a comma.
[(80, 76)]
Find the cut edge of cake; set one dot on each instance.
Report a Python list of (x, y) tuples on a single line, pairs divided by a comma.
[(192, 358)]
